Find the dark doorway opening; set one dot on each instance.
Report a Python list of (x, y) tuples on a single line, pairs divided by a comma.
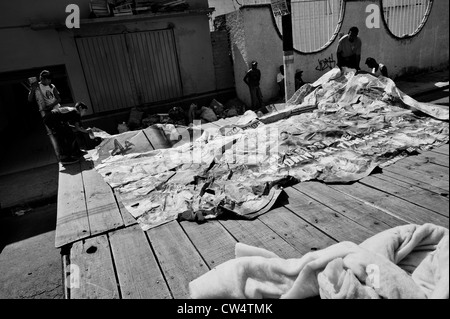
[(24, 141)]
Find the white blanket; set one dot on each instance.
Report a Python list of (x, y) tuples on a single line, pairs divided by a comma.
[(404, 262)]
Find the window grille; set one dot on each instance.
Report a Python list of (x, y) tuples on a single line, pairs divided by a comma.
[(405, 18), (315, 23)]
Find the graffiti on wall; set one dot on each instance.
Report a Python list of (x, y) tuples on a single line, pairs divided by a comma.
[(327, 63)]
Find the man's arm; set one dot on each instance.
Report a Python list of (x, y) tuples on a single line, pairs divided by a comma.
[(358, 60), (339, 55), (77, 127), (32, 92), (358, 53), (246, 78)]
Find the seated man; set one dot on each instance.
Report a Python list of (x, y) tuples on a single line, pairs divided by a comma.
[(65, 122)]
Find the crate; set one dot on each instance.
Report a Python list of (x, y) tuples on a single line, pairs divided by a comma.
[(100, 8)]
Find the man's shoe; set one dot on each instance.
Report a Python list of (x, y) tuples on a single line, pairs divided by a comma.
[(69, 160)]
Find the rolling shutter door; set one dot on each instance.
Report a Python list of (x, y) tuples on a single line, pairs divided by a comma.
[(126, 70)]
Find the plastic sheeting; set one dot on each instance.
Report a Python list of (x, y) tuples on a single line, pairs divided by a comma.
[(336, 130)]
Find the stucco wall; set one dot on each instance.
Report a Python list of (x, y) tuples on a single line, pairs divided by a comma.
[(255, 38), (24, 48)]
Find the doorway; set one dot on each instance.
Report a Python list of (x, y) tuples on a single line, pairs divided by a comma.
[(23, 137)]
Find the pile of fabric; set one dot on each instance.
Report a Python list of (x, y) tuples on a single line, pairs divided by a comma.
[(404, 262), (354, 123)]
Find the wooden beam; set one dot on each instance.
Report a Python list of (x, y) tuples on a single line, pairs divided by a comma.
[(392, 205), (177, 257), (298, 233), (72, 222), (97, 278), (258, 234), (137, 268), (408, 192), (324, 218), (211, 240), (101, 204)]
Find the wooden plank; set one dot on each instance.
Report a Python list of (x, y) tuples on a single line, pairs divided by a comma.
[(410, 193), (392, 205), (212, 241), (137, 269), (324, 218), (429, 157), (178, 258), (417, 183), (441, 150), (72, 222), (369, 217), (256, 233), (418, 176), (300, 234), (101, 204), (431, 170), (93, 258), (127, 218)]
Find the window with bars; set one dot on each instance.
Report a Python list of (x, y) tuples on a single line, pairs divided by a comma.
[(315, 23), (405, 17)]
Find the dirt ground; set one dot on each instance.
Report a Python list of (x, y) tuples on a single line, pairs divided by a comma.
[(30, 265)]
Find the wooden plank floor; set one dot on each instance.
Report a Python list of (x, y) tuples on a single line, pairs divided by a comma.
[(116, 259)]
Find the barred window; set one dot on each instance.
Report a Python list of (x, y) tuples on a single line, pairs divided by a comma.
[(315, 23), (405, 18)]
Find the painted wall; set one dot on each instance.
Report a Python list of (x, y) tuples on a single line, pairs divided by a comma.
[(25, 48), (254, 37)]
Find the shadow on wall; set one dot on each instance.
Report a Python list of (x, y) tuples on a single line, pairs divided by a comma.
[(241, 67)]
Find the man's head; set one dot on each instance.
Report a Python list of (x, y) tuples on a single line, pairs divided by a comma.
[(282, 69), (254, 65), (45, 77), (353, 33), (371, 63), (81, 108)]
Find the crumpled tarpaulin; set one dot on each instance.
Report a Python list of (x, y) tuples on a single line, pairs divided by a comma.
[(353, 124), (404, 262)]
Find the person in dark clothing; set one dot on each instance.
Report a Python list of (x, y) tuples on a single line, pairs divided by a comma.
[(252, 79), (66, 122), (376, 68), (349, 50)]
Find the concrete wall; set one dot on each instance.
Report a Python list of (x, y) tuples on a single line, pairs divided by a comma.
[(254, 37), (24, 47), (223, 63)]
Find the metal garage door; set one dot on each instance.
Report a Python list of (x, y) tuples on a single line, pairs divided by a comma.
[(126, 70)]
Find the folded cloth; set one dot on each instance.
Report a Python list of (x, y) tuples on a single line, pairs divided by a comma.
[(404, 262)]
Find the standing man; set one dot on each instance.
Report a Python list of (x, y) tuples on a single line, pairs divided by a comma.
[(49, 92), (349, 50), (252, 78)]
